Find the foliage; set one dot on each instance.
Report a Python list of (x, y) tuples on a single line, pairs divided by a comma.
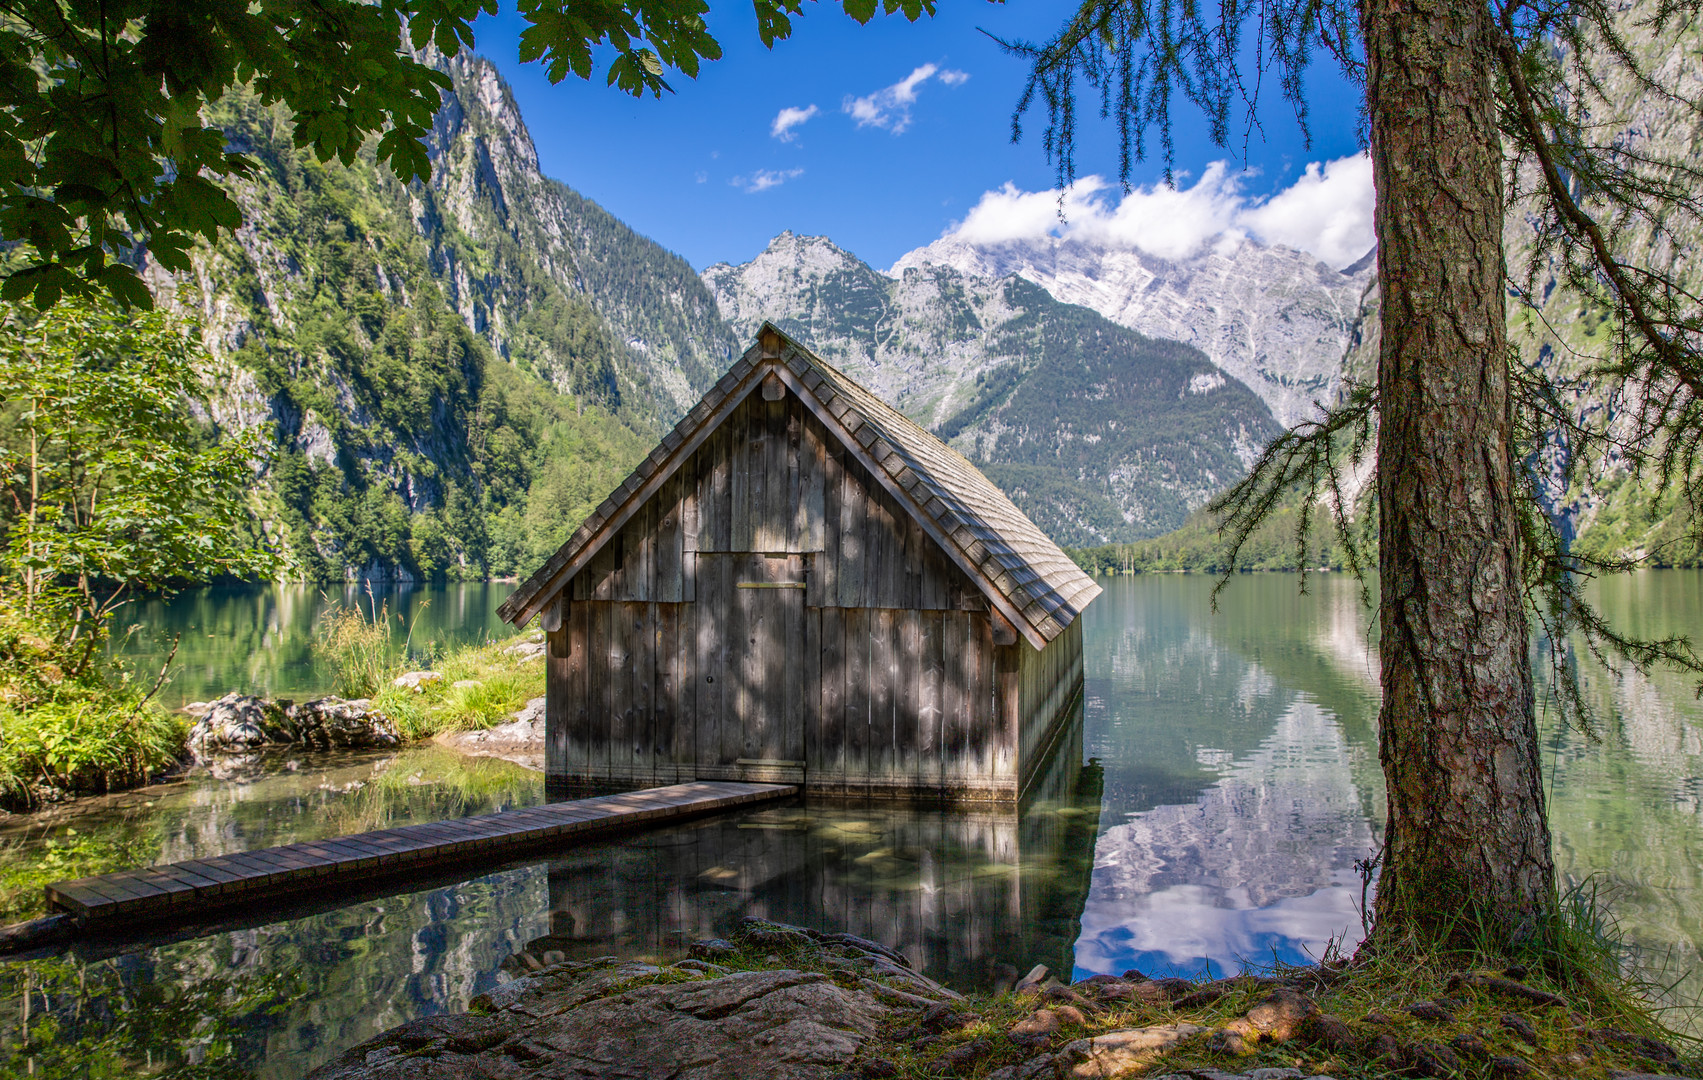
[(359, 646), (404, 441), (104, 148), (109, 484), (89, 736)]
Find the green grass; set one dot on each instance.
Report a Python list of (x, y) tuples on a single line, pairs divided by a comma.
[(504, 684)]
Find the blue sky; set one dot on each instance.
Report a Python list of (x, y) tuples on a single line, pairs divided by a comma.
[(910, 131)]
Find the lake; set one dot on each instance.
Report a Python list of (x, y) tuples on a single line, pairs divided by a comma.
[(1225, 782)]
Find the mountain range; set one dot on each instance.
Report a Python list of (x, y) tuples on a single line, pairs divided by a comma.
[(455, 372)]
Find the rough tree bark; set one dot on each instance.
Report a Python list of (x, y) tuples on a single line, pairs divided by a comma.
[(1467, 836)]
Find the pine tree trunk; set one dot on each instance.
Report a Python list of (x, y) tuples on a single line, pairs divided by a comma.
[(1467, 843)]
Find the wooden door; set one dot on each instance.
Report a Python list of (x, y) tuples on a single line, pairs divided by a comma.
[(758, 615)]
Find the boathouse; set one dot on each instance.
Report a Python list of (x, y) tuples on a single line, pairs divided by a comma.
[(801, 585)]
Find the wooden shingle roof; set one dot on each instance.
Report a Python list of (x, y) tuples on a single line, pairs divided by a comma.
[(1021, 571)]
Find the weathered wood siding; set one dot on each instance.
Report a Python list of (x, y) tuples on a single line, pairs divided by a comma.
[(773, 614)]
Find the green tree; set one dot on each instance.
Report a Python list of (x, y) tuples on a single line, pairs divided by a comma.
[(104, 148), (111, 486), (1460, 96)]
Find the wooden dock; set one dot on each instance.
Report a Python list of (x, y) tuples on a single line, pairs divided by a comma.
[(182, 889)]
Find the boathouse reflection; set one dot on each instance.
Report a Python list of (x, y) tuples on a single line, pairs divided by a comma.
[(969, 897)]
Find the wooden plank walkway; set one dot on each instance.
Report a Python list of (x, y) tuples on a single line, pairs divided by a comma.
[(180, 889)]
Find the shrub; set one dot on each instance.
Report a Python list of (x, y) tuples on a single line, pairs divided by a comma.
[(89, 737)]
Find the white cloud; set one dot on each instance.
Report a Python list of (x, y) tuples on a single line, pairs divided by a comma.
[(764, 179), (789, 118), (890, 107), (1327, 211)]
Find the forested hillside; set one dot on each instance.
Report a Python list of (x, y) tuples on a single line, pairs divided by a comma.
[(456, 373)]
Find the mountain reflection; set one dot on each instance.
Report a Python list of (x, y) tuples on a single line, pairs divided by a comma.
[(1238, 801)]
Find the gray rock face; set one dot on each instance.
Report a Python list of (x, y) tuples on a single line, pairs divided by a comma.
[(1276, 319), (615, 1021), (238, 723), (1096, 432)]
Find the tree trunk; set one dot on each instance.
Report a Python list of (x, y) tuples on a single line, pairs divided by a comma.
[(1467, 848)]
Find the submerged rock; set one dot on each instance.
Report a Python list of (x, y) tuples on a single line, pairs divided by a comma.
[(630, 1021), (242, 723)]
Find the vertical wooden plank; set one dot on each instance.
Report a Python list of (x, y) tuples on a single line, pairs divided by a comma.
[(930, 672), (772, 515), (689, 501), (953, 697), (857, 696), (829, 761), (670, 544), (689, 577), (883, 706), (746, 657), (811, 482), (853, 542), (575, 741), (793, 666), (1007, 728), (620, 692), (908, 674), (739, 477), (558, 702), (879, 565), (598, 723), (796, 471), (723, 489), (709, 625), (665, 705), (810, 689), (826, 591)]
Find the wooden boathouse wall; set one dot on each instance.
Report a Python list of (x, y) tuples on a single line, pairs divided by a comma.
[(772, 613)]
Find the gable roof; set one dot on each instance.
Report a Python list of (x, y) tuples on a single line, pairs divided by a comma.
[(1022, 573)]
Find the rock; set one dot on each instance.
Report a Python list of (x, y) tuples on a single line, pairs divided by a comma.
[(1035, 1029), (1032, 981), (1432, 1011), (1118, 1053), (758, 933), (465, 684), (417, 681), (593, 1019), (1200, 999), (713, 949), (1520, 1026), (197, 709), (532, 712), (1278, 1017), (238, 723), (521, 740), (526, 650)]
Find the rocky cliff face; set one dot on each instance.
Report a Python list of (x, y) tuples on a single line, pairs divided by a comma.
[(1276, 319), (1097, 432), (454, 372)]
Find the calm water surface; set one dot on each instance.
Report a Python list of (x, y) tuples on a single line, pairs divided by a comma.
[(1234, 781)]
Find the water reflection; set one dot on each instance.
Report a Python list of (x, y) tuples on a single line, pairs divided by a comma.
[(259, 638), (1237, 797), (1237, 781)]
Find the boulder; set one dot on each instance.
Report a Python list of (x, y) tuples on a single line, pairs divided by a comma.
[(521, 740), (526, 650), (417, 681), (240, 724), (611, 1020), (1119, 1053)]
